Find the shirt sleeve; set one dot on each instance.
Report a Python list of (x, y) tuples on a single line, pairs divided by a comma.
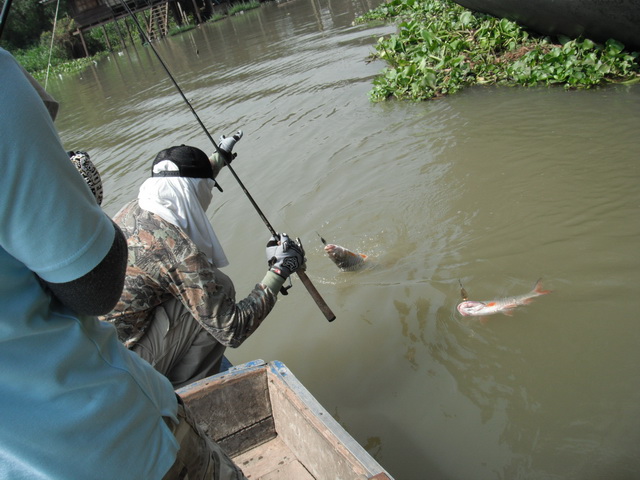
[(98, 291), (50, 221), (210, 296)]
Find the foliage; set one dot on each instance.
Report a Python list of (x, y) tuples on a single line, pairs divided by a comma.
[(216, 16), (61, 41), (575, 63), (58, 58), (34, 59), (36, 62), (176, 29), (241, 7), (25, 22), (442, 47)]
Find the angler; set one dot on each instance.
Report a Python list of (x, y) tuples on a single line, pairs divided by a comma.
[(177, 310), (328, 313)]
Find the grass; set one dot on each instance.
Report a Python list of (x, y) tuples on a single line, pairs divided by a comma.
[(441, 48), (241, 7)]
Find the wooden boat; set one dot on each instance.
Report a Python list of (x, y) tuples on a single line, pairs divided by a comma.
[(273, 428), (598, 20)]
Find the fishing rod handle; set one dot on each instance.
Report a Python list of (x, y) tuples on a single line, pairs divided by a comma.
[(306, 281)]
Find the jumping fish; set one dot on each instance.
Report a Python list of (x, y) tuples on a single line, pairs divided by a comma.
[(470, 308), (345, 259)]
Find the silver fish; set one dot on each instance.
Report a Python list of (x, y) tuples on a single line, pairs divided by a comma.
[(503, 305), (345, 259)]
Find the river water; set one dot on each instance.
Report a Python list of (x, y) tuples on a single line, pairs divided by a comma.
[(492, 187)]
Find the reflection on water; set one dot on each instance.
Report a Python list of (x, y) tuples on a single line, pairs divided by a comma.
[(492, 187)]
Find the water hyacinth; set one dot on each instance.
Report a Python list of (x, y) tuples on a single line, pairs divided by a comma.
[(441, 47)]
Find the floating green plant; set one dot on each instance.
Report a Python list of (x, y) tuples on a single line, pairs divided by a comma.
[(441, 47)]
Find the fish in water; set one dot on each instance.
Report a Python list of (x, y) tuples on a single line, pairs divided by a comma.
[(470, 308), (345, 259)]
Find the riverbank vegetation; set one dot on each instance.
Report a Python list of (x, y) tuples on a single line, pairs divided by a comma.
[(441, 47), (44, 50)]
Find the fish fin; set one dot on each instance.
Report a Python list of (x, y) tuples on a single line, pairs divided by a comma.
[(490, 304), (463, 292), (483, 320), (508, 312), (538, 288), (364, 257)]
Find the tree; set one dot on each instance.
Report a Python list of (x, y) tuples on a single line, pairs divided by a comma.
[(26, 21)]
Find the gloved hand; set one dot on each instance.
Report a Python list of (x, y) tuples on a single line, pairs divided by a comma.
[(284, 256), (226, 144)]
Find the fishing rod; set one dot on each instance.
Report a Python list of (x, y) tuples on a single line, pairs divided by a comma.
[(302, 275)]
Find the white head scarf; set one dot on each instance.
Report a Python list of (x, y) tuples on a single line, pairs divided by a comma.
[(183, 201)]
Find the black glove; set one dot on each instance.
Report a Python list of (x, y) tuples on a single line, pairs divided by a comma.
[(284, 256), (226, 144)]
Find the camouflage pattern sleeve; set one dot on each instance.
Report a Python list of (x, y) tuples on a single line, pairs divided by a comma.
[(210, 296), (164, 263)]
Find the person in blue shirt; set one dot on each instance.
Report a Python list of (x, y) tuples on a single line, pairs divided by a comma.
[(74, 402)]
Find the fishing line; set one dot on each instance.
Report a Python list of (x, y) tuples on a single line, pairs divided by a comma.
[(301, 273), (53, 34)]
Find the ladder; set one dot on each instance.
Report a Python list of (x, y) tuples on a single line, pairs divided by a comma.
[(158, 24)]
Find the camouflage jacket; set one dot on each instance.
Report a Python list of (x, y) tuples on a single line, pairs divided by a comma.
[(165, 263)]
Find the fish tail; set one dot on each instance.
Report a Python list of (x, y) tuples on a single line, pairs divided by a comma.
[(463, 292), (538, 288)]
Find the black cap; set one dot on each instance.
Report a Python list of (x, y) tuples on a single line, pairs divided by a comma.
[(191, 162)]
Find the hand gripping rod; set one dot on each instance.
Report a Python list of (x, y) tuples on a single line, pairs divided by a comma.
[(302, 275)]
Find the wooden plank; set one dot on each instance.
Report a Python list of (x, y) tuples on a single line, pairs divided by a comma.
[(226, 404), (270, 461), (320, 442), (248, 438), (315, 445), (290, 471)]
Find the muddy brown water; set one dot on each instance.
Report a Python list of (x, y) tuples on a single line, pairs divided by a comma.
[(494, 187)]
